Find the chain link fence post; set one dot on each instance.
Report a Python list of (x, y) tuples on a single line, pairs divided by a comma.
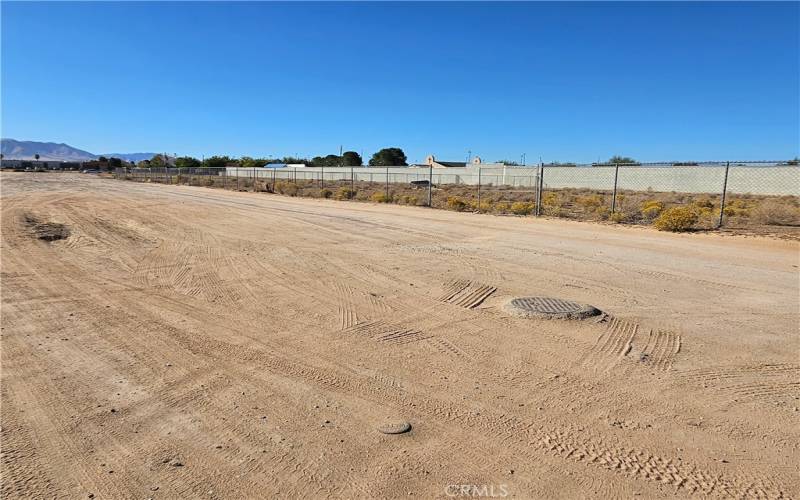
[(724, 192), (614, 195), (352, 179), (479, 189), (387, 182), (430, 186), (539, 190)]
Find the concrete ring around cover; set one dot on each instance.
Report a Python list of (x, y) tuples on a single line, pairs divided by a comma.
[(549, 308)]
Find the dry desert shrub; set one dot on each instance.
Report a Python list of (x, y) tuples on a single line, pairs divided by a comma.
[(379, 197), (619, 217), (738, 208), (652, 209), (325, 193), (589, 203), (703, 204), (777, 212), (345, 193), (501, 207), (551, 204), (457, 204), (522, 208), (676, 219), (628, 209), (484, 206), (287, 188), (407, 199)]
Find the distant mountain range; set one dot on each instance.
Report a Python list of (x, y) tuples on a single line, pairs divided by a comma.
[(50, 151)]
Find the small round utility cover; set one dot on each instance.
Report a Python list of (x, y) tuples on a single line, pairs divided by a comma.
[(548, 307), (394, 427)]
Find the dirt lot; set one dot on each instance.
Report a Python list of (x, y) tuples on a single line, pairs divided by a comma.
[(174, 341)]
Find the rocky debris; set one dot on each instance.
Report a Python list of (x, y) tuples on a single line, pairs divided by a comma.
[(46, 231)]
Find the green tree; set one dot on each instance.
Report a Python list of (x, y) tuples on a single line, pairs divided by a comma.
[(292, 159), (114, 163), (509, 163), (352, 159), (187, 162), (216, 162), (102, 159), (143, 164), (327, 161), (247, 162), (156, 161), (389, 157), (622, 160), (36, 156)]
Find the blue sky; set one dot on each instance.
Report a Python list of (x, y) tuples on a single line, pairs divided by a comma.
[(564, 81)]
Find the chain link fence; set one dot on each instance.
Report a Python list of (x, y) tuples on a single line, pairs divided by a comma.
[(711, 195)]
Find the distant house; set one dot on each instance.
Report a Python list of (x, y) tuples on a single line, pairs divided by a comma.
[(431, 161), (37, 164)]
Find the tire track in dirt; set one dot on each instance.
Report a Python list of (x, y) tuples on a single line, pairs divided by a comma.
[(619, 342), (23, 469), (759, 382), (612, 345), (661, 349), (526, 437), (725, 373), (390, 333), (446, 347), (463, 257), (170, 396), (653, 468), (466, 294), (53, 429), (356, 306), (387, 383)]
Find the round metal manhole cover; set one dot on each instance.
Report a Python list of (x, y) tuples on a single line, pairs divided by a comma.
[(394, 427), (547, 307)]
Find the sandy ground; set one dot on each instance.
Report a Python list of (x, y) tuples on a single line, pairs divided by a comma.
[(183, 342)]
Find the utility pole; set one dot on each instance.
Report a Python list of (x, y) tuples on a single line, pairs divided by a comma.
[(523, 159)]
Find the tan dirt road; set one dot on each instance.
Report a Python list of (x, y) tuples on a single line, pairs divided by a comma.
[(181, 342)]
